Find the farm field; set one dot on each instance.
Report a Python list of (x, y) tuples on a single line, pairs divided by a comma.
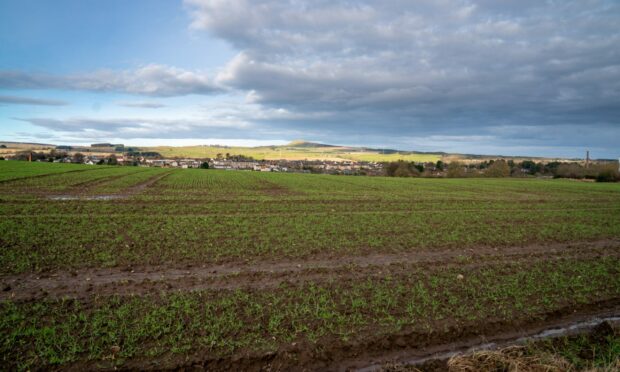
[(296, 150), (149, 268)]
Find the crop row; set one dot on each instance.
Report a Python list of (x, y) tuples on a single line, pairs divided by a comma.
[(110, 331), (11, 170), (60, 182), (35, 242)]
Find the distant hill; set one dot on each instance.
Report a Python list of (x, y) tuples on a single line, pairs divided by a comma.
[(297, 150), (307, 150), (302, 143), (300, 150)]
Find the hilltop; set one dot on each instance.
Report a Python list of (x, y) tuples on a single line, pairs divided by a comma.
[(298, 150), (294, 150), (307, 150)]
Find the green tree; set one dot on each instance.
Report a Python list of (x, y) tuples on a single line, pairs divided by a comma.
[(499, 168)]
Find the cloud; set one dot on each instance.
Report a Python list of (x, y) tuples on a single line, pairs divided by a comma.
[(150, 105), (14, 100), (149, 80), (518, 74), (430, 67), (137, 127)]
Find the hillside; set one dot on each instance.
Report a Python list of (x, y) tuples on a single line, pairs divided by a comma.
[(297, 150)]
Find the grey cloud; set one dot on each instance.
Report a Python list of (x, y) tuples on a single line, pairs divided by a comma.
[(523, 74), (433, 67), (150, 80), (14, 100)]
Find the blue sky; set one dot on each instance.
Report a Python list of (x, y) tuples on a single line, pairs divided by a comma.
[(513, 77)]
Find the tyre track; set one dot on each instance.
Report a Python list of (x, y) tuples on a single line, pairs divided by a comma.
[(266, 274)]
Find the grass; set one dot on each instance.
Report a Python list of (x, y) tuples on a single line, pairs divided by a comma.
[(220, 323), (214, 216), (10, 170), (178, 217), (593, 351), (291, 153)]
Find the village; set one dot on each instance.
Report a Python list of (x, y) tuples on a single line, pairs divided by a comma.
[(117, 154), (235, 163)]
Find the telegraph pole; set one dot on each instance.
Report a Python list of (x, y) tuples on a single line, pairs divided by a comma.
[(587, 158)]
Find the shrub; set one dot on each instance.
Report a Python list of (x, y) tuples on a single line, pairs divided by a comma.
[(456, 170), (401, 168), (607, 172), (570, 170), (499, 168), (607, 176)]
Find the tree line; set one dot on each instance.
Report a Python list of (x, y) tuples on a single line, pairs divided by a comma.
[(599, 171)]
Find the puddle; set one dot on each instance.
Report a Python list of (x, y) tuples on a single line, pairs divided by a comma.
[(85, 197), (551, 332)]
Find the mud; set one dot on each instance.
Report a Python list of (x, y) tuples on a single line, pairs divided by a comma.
[(421, 349), (85, 197), (567, 328), (135, 189), (82, 194), (138, 280)]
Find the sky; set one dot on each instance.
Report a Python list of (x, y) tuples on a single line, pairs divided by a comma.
[(511, 77)]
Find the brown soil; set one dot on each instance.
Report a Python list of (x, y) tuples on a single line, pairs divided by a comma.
[(137, 280), (369, 353), (375, 352), (273, 189), (537, 355), (87, 186), (138, 188)]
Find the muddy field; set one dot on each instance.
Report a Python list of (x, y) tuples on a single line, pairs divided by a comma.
[(142, 268)]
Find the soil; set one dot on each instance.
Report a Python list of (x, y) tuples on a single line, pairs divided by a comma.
[(137, 280), (375, 353), (83, 191), (332, 354), (146, 184)]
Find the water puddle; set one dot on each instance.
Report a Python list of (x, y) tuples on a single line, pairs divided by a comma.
[(552, 332), (85, 197)]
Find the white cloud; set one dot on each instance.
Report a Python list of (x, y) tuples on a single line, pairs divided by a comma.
[(437, 70), (443, 68), (137, 127)]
